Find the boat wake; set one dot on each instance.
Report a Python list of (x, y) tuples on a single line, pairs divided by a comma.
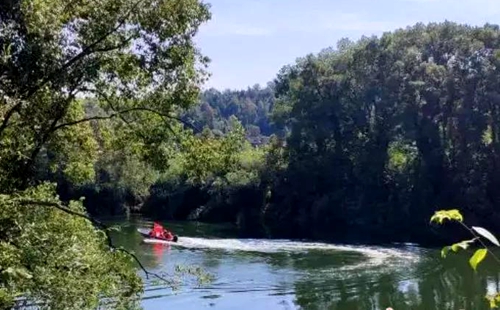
[(374, 256)]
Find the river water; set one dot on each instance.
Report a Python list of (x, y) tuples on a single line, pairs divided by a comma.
[(284, 274)]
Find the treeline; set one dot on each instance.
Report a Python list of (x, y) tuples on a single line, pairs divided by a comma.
[(387, 130), (126, 177), (252, 107), (381, 133), (365, 142)]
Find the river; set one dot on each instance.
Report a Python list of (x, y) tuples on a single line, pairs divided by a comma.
[(283, 274)]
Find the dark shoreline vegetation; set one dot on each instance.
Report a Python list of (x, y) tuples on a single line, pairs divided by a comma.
[(102, 100), (361, 143)]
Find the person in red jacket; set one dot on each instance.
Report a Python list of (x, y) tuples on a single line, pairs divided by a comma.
[(157, 231), (161, 233)]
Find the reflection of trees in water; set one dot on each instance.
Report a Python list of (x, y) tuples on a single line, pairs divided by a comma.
[(307, 261), (450, 285)]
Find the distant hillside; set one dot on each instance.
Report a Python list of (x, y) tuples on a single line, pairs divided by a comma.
[(251, 106)]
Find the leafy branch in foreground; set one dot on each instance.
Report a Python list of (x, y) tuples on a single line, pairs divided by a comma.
[(478, 234), (105, 228), (54, 253), (138, 62)]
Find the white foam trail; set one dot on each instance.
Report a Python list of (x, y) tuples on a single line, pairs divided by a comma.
[(376, 256)]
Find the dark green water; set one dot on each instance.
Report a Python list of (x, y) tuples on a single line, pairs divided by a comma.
[(281, 274)]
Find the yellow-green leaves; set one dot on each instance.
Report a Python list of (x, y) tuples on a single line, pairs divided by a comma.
[(494, 300), (477, 258), (444, 251), (457, 246), (478, 232), (206, 158), (19, 272), (452, 215)]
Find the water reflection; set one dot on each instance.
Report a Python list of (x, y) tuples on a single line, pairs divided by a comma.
[(159, 250), (312, 279), (449, 285)]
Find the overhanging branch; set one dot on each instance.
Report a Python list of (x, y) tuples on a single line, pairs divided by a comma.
[(98, 224), (121, 113), (91, 48)]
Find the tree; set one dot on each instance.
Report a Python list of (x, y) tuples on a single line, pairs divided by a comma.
[(135, 58), (59, 260), (251, 106), (382, 129), (137, 61)]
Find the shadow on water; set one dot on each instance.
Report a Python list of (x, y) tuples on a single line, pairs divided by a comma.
[(289, 275), (433, 284)]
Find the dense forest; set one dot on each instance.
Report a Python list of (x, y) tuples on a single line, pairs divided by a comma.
[(362, 142), (367, 139)]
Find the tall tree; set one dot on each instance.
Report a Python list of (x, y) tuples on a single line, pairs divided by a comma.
[(386, 129), (137, 60)]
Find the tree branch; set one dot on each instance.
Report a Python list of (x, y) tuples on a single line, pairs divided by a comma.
[(85, 52), (88, 119), (113, 47), (120, 113), (43, 136), (128, 123), (98, 224), (8, 115)]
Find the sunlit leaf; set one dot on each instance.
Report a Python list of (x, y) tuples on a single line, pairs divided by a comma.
[(114, 228), (493, 303), (445, 251), (457, 246), (486, 234), (440, 216), (494, 300), (463, 244), (477, 258)]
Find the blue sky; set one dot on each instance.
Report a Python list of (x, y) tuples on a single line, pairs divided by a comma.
[(248, 41)]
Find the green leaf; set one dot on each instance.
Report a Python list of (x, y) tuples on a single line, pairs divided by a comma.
[(494, 300), (477, 258), (463, 244), (486, 234), (18, 272), (493, 303), (455, 247), (445, 251), (114, 228), (452, 215)]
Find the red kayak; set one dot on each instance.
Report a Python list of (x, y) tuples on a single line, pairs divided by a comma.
[(146, 233)]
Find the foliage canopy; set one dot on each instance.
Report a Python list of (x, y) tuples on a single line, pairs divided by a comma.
[(137, 61)]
